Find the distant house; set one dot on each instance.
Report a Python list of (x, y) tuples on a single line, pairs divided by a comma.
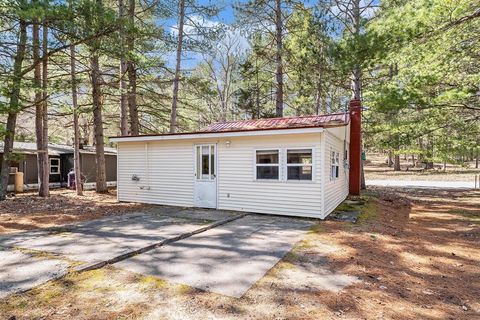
[(61, 162), (296, 166)]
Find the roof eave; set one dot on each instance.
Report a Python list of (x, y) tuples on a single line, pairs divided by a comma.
[(224, 134)]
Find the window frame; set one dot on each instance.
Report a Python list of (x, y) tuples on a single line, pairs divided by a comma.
[(212, 162), (286, 164), (282, 164), (57, 166), (334, 165), (256, 165)]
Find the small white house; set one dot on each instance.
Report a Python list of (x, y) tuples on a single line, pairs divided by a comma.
[(285, 166)]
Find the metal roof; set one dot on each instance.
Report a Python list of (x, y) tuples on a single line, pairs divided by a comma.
[(250, 126), (328, 120)]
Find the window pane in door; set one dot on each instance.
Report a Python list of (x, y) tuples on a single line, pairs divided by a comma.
[(267, 156), (205, 162), (199, 163), (205, 166), (212, 160)]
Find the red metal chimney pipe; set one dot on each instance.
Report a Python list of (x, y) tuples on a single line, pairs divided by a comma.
[(355, 146)]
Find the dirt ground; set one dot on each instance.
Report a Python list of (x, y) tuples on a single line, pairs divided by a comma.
[(376, 169), (415, 252), (28, 211)]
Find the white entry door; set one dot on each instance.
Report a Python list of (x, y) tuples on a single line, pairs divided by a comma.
[(205, 176)]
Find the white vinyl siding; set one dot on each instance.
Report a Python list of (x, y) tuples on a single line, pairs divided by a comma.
[(238, 190), (336, 189), (166, 175)]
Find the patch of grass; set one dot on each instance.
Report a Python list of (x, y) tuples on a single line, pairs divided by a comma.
[(287, 263), (183, 289), (89, 280), (291, 257), (303, 245), (465, 213), (22, 304), (151, 281), (348, 207), (317, 228), (46, 294), (37, 253), (368, 212)]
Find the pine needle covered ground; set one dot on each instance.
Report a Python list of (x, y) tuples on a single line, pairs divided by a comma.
[(414, 252)]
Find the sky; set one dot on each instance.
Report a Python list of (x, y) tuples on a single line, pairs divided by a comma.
[(226, 16)]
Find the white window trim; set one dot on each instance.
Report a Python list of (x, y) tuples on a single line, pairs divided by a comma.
[(255, 164), (212, 176), (282, 164), (334, 163), (312, 149), (55, 166)]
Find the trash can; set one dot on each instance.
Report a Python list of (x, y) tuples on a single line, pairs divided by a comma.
[(18, 182), (71, 180)]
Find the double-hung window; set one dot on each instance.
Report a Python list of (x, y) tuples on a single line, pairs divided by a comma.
[(284, 164), (54, 166), (299, 164), (334, 165), (267, 164)]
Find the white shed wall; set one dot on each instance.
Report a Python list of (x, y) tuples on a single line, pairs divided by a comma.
[(165, 170), (166, 174), (336, 190), (238, 189)]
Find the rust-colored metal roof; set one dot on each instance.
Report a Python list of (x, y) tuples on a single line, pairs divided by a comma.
[(328, 120)]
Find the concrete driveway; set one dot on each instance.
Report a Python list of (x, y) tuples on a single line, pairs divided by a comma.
[(227, 259), (201, 248), (104, 239)]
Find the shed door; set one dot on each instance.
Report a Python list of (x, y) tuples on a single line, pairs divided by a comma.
[(205, 176)]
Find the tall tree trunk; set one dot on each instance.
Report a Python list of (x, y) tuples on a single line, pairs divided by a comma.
[(257, 89), (363, 184), (176, 79), (14, 108), (132, 73), (37, 81), (356, 76), (101, 185), (477, 156), (123, 73), (76, 129), (279, 58), (429, 149), (390, 158), (421, 148), (396, 167), (45, 192), (318, 98)]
